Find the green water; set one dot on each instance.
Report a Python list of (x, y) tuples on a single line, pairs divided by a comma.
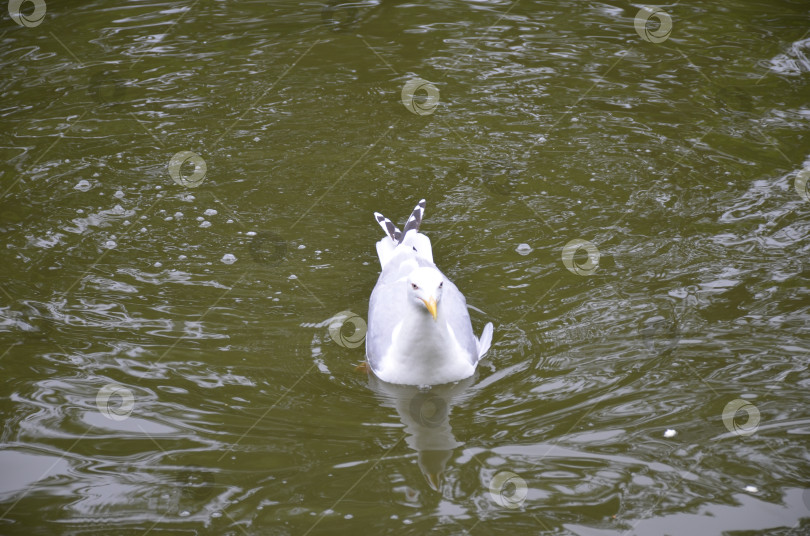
[(168, 361)]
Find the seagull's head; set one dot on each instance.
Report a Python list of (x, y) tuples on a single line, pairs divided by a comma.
[(425, 289)]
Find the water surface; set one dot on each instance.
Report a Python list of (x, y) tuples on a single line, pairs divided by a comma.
[(167, 360)]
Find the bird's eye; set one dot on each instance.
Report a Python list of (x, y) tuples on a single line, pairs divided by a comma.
[(440, 284), (414, 286)]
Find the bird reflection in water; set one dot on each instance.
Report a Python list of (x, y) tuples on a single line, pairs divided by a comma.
[(425, 412)]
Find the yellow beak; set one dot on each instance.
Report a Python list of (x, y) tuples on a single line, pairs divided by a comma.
[(431, 306)]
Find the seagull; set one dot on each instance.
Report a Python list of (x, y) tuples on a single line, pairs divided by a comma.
[(419, 330)]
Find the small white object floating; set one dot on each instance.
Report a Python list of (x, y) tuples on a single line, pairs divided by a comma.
[(670, 433), (751, 489), (82, 186)]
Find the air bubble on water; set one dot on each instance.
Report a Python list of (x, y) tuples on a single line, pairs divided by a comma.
[(751, 489), (143, 229), (126, 222), (168, 218), (251, 233), (293, 276), (110, 244), (229, 221), (178, 215), (205, 224), (158, 264), (348, 516), (200, 218), (80, 211), (184, 513), (524, 249), (302, 246), (228, 258), (96, 174), (182, 258), (216, 515), (158, 187), (119, 194), (256, 138), (82, 185), (210, 212)]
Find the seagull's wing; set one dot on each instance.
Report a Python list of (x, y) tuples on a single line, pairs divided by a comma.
[(485, 340), (410, 238), (382, 322), (454, 310), (384, 310), (388, 226), (415, 219), (458, 320)]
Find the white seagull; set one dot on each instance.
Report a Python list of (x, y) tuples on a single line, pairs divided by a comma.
[(419, 330)]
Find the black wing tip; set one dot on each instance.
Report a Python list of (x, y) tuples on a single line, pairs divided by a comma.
[(415, 219), (389, 227), (413, 223)]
